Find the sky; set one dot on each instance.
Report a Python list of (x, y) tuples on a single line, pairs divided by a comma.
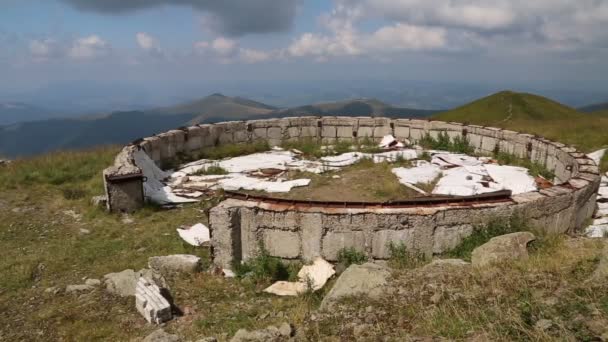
[(554, 42)]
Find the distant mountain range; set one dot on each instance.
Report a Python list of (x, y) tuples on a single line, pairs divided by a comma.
[(598, 108), (13, 112), (35, 137)]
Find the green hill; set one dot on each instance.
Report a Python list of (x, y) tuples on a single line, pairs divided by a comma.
[(536, 115), (356, 107)]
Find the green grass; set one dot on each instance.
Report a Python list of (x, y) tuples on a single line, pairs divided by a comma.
[(535, 115), (212, 170), (350, 256), (402, 258), (443, 142), (266, 269)]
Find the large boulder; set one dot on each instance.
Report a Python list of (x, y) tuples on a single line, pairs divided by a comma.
[(161, 336), (367, 279), (502, 248), (177, 263)]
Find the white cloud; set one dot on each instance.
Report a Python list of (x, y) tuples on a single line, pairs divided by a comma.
[(44, 49), (89, 47), (254, 56), (147, 42), (224, 46)]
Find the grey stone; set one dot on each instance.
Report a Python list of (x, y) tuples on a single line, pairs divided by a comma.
[(600, 274), (336, 241), (207, 339), (121, 283), (367, 279), (93, 282), (543, 324), (161, 336), (177, 263), (52, 290), (283, 244), (285, 329), (99, 201), (502, 248), (78, 288), (84, 231)]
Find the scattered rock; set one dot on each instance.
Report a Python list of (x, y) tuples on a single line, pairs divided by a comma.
[(367, 279), (502, 248), (121, 283), (270, 334), (84, 231), (99, 201), (178, 263), (93, 282), (71, 213), (161, 336), (360, 330), (78, 288)]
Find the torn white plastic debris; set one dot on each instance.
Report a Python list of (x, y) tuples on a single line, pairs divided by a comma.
[(599, 231), (256, 184), (317, 274), (388, 141), (196, 235), (511, 178), (597, 155), (423, 173), (312, 277), (393, 156)]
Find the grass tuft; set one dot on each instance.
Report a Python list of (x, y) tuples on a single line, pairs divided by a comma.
[(350, 256), (402, 258), (212, 170), (460, 144)]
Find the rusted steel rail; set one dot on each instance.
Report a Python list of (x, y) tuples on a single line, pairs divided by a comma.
[(491, 197)]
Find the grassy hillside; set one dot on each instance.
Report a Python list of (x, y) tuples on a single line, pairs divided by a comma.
[(536, 115)]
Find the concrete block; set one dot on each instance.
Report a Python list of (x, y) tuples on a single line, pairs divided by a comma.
[(275, 133), (281, 243), (150, 303), (447, 238), (345, 131), (312, 234), (383, 238), (329, 132)]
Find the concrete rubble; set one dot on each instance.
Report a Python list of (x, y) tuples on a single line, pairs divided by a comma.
[(150, 303), (196, 235), (311, 277), (368, 279), (177, 263)]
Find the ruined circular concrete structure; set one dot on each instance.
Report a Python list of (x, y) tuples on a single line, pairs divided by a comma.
[(240, 226)]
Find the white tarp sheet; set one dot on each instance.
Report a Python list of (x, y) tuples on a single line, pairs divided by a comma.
[(460, 182), (258, 184), (196, 235), (597, 155), (422, 173), (511, 178)]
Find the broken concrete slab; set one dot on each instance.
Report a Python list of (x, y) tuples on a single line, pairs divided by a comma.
[(196, 235), (177, 263), (269, 334), (78, 288), (368, 279), (150, 303), (502, 248)]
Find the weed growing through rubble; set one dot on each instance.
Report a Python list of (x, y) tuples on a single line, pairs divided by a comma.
[(402, 258), (534, 169), (349, 256), (265, 268), (212, 170)]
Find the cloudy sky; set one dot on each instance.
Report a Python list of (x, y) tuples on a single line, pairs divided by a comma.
[(550, 41)]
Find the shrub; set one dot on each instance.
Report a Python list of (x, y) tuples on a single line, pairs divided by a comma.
[(460, 144), (349, 256)]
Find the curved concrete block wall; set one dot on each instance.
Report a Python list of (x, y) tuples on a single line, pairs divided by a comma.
[(240, 227)]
